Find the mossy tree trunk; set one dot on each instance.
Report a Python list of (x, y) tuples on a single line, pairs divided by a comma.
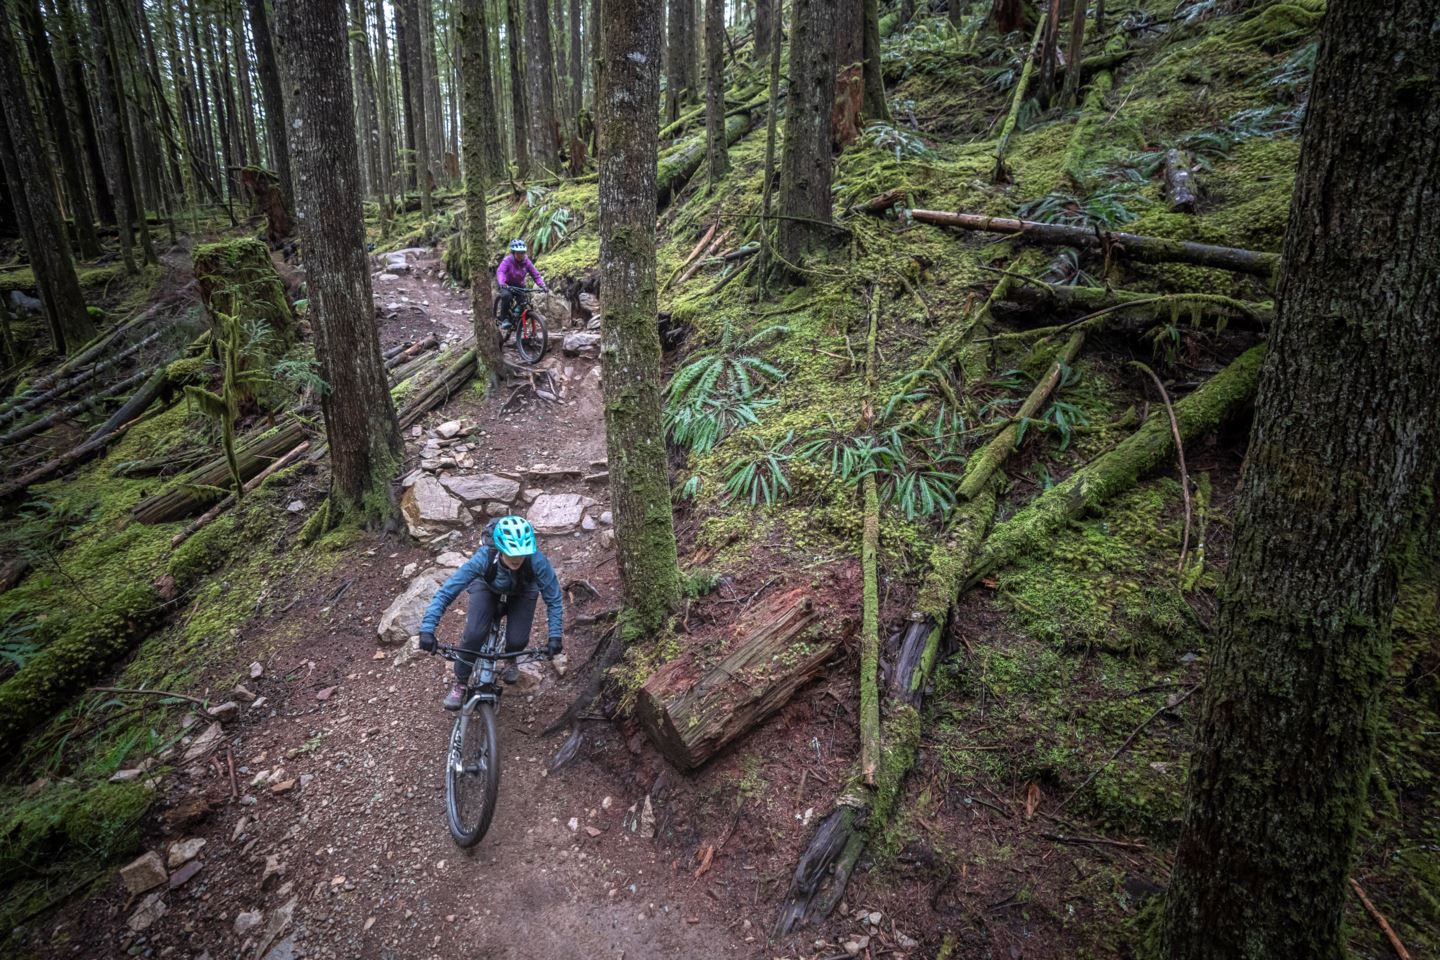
[(492, 152), (761, 26), (360, 421), (1346, 436), (477, 124), (678, 46), (1070, 91), (387, 116), (876, 109), (771, 127), (630, 348), (718, 151), (365, 121), (805, 160), (31, 189)]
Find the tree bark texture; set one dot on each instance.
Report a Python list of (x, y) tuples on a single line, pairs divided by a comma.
[(519, 98), (762, 31), (415, 100), (540, 72), (630, 348), (27, 169), (360, 422), (805, 160), (271, 95), (72, 173), (876, 108), (695, 705), (365, 120), (716, 147), (1346, 437), (679, 58), (477, 121)]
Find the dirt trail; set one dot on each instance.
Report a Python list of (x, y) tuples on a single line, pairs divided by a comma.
[(337, 772)]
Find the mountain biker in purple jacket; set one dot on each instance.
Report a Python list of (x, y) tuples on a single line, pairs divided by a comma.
[(513, 568), (511, 273)]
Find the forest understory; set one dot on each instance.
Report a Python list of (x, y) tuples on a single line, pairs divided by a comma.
[(954, 501)]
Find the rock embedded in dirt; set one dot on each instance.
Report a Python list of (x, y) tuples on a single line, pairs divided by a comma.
[(581, 344), (284, 786), (448, 429), (247, 921), (452, 559), (145, 872), (256, 670), (126, 776), (587, 524), (607, 518), (555, 513), (152, 908), (203, 744), (401, 620), (647, 819), (183, 851), (607, 538), (430, 511), (243, 693), (274, 870), (296, 506), (325, 694), (497, 509), (183, 876), (225, 712), (480, 487)]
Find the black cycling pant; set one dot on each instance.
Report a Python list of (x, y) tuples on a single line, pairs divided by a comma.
[(518, 619), (507, 303)]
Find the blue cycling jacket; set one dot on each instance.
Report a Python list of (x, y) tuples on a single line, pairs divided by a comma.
[(505, 582)]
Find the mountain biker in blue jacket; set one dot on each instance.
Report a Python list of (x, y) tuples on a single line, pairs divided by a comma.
[(511, 273), (511, 567)]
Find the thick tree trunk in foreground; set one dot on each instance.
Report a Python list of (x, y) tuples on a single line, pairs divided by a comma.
[(630, 349), (360, 422), (715, 145), (477, 123), (1346, 437), (691, 711), (805, 161), (32, 191)]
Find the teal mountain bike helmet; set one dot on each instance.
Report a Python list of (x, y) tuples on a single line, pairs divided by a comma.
[(514, 536), (517, 246)]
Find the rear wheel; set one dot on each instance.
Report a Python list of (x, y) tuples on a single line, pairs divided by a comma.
[(472, 774), (532, 338)]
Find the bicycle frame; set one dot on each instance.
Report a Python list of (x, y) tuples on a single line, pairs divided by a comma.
[(482, 686)]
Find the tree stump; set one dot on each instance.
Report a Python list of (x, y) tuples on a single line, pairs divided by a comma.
[(695, 705)]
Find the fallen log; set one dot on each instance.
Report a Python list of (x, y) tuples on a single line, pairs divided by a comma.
[(984, 462), (1001, 173), (1031, 296), (870, 746), (451, 378), (228, 502), (412, 351), (1179, 183), (701, 245), (108, 432), (70, 410), (1118, 470), (1127, 245), (79, 379), (677, 166), (206, 484), (691, 708)]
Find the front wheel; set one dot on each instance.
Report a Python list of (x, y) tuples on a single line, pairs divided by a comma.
[(472, 774), (531, 339)]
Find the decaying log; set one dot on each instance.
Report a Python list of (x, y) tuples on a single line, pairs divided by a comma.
[(250, 485), (1031, 296), (450, 379), (206, 484), (984, 462), (107, 433), (870, 637), (1127, 245), (883, 201), (412, 351), (692, 708), (84, 376), (1120, 469), (1179, 183), (677, 166), (70, 410)]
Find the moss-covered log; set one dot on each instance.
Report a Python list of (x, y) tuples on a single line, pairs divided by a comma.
[(79, 379), (870, 637), (1028, 298), (85, 403), (693, 706), (984, 462), (237, 277), (205, 484), (1123, 245), (1152, 445), (677, 166), (1001, 173)]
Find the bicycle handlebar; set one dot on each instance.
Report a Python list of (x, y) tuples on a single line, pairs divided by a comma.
[(456, 653)]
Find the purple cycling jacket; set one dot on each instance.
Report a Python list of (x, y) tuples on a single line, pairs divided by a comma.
[(512, 274)]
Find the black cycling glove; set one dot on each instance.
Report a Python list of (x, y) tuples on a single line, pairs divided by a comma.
[(427, 641), (555, 646)]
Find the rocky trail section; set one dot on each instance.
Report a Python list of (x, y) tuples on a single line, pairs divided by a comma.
[(304, 811)]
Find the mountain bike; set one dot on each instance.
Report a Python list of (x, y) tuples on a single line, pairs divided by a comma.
[(472, 760), (525, 324)]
